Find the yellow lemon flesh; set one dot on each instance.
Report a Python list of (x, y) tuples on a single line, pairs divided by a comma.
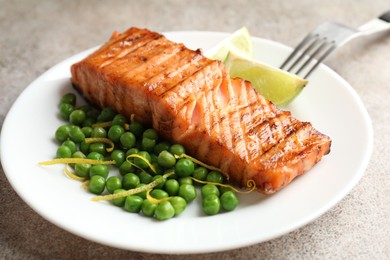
[(274, 84), (240, 42)]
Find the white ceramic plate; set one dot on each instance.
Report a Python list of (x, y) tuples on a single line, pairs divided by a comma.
[(328, 102)]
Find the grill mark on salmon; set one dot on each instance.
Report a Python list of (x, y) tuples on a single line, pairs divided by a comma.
[(191, 100), (177, 77), (135, 58), (155, 64), (121, 46)]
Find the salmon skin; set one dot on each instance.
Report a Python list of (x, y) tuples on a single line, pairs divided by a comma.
[(191, 100)]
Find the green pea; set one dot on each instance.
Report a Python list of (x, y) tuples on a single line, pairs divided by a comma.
[(126, 167), (136, 128), (187, 192), (133, 203), (229, 200), (211, 204), (161, 147), (118, 156), (86, 108), (115, 132), (164, 211), (97, 147), (95, 156), (119, 120), (141, 162), (106, 115), (148, 208), (65, 110), (185, 180), (184, 167), (161, 184), (82, 170), (200, 173), (120, 202), (87, 130), (99, 132), (214, 176), (84, 147), (63, 152), (177, 149), (142, 194), (99, 169), (132, 151), (62, 133), (209, 189), (223, 189), (166, 159), (130, 181), (179, 204), (88, 122), (78, 154), (150, 133), (97, 184), (127, 140), (148, 144), (77, 117), (72, 145), (69, 98), (171, 186), (159, 194), (76, 135), (113, 183), (145, 177), (91, 112)]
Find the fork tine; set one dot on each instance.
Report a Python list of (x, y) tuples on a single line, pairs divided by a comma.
[(322, 58), (304, 42), (323, 45), (306, 52)]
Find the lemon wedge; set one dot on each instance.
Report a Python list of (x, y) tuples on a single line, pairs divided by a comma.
[(240, 42), (274, 84)]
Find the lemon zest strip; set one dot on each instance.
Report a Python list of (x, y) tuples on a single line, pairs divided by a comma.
[(135, 190), (108, 124), (75, 160), (210, 167), (142, 158), (101, 140), (85, 185), (154, 200), (71, 175), (251, 185), (102, 124)]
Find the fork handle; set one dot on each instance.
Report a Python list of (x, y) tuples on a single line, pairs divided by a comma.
[(379, 24), (385, 17)]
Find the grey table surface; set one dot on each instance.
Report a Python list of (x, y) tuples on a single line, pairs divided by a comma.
[(35, 35)]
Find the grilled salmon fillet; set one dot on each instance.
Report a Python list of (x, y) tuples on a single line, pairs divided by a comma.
[(191, 100)]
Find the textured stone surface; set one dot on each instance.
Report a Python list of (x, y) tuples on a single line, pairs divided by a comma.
[(36, 35)]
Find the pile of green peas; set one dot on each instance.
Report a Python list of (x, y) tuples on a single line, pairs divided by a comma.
[(172, 195)]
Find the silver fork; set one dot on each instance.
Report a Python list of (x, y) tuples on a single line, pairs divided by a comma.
[(324, 39)]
